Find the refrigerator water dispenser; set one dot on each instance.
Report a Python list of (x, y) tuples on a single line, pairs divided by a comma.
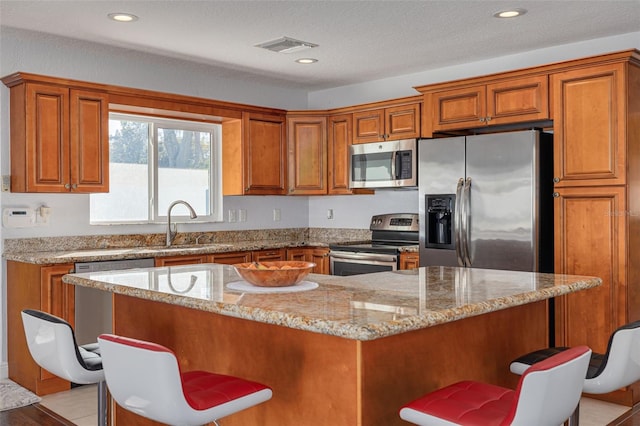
[(439, 224)]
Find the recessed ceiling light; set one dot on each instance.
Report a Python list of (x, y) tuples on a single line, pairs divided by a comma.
[(122, 17), (306, 60), (511, 13)]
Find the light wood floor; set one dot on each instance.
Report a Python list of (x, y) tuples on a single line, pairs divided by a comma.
[(80, 406)]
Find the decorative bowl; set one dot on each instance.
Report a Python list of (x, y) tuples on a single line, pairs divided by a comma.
[(274, 274)]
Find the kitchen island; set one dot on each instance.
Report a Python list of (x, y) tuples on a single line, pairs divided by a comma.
[(350, 351)]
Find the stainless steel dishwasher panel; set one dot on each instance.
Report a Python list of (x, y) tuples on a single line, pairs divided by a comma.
[(93, 307)]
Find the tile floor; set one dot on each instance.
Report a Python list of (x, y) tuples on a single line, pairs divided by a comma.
[(80, 406)]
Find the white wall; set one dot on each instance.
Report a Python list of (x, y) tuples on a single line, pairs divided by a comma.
[(402, 85)]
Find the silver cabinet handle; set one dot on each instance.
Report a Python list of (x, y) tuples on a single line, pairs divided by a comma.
[(67, 186)]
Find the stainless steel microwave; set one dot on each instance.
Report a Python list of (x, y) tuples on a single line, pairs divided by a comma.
[(391, 164)]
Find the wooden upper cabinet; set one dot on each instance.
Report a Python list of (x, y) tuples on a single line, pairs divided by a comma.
[(265, 155), (59, 139), (589, 126), (393, 123), (340, 128), (89, 134), (307, 145), (501, 102)]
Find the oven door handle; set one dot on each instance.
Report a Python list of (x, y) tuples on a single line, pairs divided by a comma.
[(363, 256)]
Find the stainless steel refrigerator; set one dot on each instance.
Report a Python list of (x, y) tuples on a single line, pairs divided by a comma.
[(486, 201)]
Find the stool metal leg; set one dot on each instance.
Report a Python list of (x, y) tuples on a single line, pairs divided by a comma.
[(574, 420), (102, 403)]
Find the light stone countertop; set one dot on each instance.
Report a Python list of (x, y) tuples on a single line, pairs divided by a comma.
[(360, 307)]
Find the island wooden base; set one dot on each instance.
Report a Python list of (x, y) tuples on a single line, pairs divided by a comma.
[(326, 380)]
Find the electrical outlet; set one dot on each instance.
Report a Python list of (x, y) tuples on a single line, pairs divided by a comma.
[(330, 214), (232, 215), (242, 215), (276, 215)]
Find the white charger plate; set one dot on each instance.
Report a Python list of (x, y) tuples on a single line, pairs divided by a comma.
[(250, 288)]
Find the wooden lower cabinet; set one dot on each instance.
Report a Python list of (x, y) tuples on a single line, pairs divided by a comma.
[(268, 255), (409, 260), (231, 258), (38, 287), (317, 255), (181, 260), (591, 231)]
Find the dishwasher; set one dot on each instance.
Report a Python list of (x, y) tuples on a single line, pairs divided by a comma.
[(93, 306)]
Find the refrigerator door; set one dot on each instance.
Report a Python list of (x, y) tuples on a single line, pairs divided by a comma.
[(441, 166), (501, 169)]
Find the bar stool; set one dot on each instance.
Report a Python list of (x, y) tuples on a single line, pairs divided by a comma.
[(53, 346), (145, 378), (547, 394), (618, 367)]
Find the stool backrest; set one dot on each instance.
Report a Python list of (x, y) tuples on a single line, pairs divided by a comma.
[(52, 345), (143, 377), (620, 365), (549, 391)]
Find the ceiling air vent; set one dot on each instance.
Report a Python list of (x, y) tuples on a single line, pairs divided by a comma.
[(286, 45)]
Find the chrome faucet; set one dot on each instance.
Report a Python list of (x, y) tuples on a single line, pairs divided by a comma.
[(171, 233)]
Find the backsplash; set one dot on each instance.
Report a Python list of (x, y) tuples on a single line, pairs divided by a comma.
[(306, 236)]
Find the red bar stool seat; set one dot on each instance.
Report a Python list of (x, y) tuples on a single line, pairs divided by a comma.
[(145, 378), (547, 394)]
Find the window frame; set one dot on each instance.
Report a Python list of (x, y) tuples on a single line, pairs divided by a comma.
[(154, 215)]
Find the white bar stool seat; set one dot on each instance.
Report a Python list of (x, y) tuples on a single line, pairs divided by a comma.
[(53, 346), (145, 378)]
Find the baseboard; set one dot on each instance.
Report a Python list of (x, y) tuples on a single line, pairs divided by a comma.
[(4, 370)]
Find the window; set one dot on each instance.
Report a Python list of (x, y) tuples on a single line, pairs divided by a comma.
[(155, 161)]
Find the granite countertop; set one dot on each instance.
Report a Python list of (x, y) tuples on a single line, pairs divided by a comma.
[(56, 250), (118, 253), (360, 307)]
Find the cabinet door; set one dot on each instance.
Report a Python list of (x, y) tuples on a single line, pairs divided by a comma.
[(265, 158), (268, 255), (56, 298), (320, 256), (298, 254), (181, 260), (339, 141), (402, 122), (590, 225), (409, 260), (307, 155), (89, 143), (588, 124), (46, 139), (518, 100), (368, 126), (231, 258), (458, 108)]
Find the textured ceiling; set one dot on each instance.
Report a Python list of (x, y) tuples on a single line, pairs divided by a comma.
[(358, 40)]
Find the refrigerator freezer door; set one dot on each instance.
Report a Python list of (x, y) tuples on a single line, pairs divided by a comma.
[(502, 205), (441, 165)]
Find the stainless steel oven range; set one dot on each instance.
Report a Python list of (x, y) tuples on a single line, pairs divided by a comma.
[(390, 232)]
